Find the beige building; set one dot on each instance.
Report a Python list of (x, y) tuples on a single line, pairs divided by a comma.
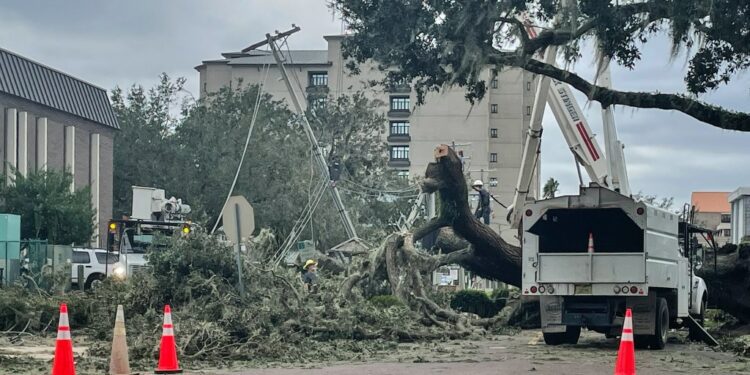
[(490, 134), (712, 211)]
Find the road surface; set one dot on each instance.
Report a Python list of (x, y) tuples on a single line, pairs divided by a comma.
[(525, 353)]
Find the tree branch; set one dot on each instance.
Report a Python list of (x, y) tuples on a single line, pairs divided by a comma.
[(710, 114), (434, 224)]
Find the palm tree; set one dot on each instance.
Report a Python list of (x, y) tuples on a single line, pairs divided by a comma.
[(550, 188)]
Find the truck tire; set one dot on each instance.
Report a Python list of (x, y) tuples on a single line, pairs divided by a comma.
[(658, 340), (570, 336), (694, 334)]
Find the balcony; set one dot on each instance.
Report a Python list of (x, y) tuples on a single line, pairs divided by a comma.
[(399, 163), (399, 113), (399, 138), (397, 88)]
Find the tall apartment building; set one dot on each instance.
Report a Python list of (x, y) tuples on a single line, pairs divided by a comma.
[(490, 133), (56, 121)]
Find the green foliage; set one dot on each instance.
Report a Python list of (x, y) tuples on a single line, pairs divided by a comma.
[(195, 157), (550, 188), (276, 320), (475, 302), (48, 209), (143, 148), (443, 42), (385, 301)]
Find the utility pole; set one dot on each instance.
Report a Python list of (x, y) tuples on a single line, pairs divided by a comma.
[(318, 154)]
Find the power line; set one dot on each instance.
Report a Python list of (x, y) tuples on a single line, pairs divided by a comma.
[(247, 143)]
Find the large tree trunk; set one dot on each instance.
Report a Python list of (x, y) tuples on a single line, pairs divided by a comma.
[(488, 256)]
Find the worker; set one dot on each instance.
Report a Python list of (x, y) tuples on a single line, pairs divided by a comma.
[(309, 277), (483, 207)]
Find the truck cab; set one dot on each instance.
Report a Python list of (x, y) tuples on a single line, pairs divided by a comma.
[(589, 257)]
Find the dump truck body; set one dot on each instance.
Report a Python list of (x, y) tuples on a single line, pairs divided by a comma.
[(590, 256)]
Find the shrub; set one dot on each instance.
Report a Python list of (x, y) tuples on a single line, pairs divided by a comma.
[(475, 302), (385, 301)]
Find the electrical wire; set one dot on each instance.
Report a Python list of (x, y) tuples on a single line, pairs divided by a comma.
[(266, 67), (301, 223)]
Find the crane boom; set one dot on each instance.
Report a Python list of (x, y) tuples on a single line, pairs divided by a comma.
[(609, 172)]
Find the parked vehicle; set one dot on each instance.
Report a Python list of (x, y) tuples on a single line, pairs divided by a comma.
[(590, 256), (97, 265), (153, 221)]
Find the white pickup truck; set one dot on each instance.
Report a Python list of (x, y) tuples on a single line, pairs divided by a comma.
[(590, 256), (97, 265)]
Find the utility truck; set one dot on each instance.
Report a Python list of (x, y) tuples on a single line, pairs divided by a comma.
[(153, 221), (590, 256)]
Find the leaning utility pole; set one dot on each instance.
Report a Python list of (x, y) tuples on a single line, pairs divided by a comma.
[(318, 154)]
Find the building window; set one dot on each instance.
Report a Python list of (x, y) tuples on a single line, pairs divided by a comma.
[(399, 127), (399, 152), (493, 157), (528, 110), (493, 181), (494, 83), (493, 108), (528, 86), (400, 103), (493, 133), (403, 174), (318, 78), (726, 218)]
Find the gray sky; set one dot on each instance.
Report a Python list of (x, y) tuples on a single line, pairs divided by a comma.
[(121, 43)]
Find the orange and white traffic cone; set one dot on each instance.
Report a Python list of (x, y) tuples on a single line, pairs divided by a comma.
[(119, 363), (63, 363), (625, 364), (168, 349), (591, 243)]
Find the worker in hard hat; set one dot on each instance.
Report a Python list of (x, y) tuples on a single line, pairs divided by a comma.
[(310, 277), (483, 207)]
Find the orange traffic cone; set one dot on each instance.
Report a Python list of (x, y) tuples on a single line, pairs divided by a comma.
[(591, 243), (625, 364), (63, 363), (119, 363), (168, 348)]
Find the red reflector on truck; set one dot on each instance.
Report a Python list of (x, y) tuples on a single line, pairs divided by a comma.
[(533, 289), (634, 289)]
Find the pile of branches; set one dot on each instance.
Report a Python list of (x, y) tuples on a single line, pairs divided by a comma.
[(275, 320)]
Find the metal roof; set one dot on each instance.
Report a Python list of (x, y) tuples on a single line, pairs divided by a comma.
[(41, 84)]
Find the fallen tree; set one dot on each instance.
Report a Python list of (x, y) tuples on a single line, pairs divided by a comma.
[(728, 280)]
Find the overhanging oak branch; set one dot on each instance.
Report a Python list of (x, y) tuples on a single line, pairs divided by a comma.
[(710, 114)]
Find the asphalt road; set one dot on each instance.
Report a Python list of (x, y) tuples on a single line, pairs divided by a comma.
[(525, 353)]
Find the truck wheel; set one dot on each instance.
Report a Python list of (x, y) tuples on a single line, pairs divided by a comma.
[(659, 340), (570, 336), (694, 334)]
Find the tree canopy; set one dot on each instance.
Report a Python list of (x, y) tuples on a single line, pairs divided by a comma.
[(48, 208), (434, 43), (194, 156)]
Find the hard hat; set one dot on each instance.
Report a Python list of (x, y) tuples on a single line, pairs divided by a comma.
[(309, 263), (478, 183)]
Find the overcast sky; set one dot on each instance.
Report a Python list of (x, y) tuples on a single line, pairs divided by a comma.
[(112, 44)]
